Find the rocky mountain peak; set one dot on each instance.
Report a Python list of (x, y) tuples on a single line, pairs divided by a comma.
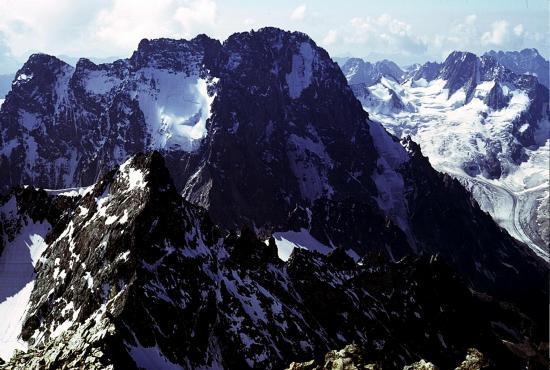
[(176, 54), (359, 71), (460, 69), (527, 61)]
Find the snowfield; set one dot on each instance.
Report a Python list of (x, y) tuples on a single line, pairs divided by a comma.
[(454, 134)]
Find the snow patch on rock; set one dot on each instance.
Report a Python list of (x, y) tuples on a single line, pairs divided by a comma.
[(288, 240), (151, 358)]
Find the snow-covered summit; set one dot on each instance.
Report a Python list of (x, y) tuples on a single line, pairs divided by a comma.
[(359, 71)]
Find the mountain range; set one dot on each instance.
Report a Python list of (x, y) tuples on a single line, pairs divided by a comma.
[(480, 121), (232, 205)]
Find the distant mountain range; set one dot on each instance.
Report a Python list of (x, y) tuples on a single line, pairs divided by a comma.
[(477, 119), (526, 61)]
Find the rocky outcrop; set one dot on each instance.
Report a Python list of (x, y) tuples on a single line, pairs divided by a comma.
[(351, 357), (348, 358), (474, 361)]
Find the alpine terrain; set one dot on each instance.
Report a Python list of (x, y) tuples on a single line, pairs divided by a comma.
[(208, 205), (483, 120)]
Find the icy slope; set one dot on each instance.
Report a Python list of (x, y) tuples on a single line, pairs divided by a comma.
[(22, 234)]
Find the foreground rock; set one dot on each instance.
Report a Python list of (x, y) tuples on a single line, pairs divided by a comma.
[(352, 357)]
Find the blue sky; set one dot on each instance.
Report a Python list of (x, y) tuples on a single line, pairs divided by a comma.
[(405, 31)]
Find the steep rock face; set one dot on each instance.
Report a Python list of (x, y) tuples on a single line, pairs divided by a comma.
[(427, 71), (27, 216), (280, 132), (471, 259), (460, 70), (134, 276), (279, 127), (496, 99)]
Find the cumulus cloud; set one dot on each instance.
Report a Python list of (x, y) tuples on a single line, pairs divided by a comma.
[(330, 38), (102, 27), (126, 22), (386, 33), (39, 25), (497, 34), (518, 30), (501, 34), (461, 35), (299, 13), (106, 28), (468, 34)]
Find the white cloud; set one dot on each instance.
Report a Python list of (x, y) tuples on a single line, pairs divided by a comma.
[(496, 35), (299, 13), (125, 23), (471, 19), (196, 14), (330, 38), (45, 25), (385, 33), (462, 35), (518, 30), (105, 28), (468, 35), (102, 27), (504, 36)]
